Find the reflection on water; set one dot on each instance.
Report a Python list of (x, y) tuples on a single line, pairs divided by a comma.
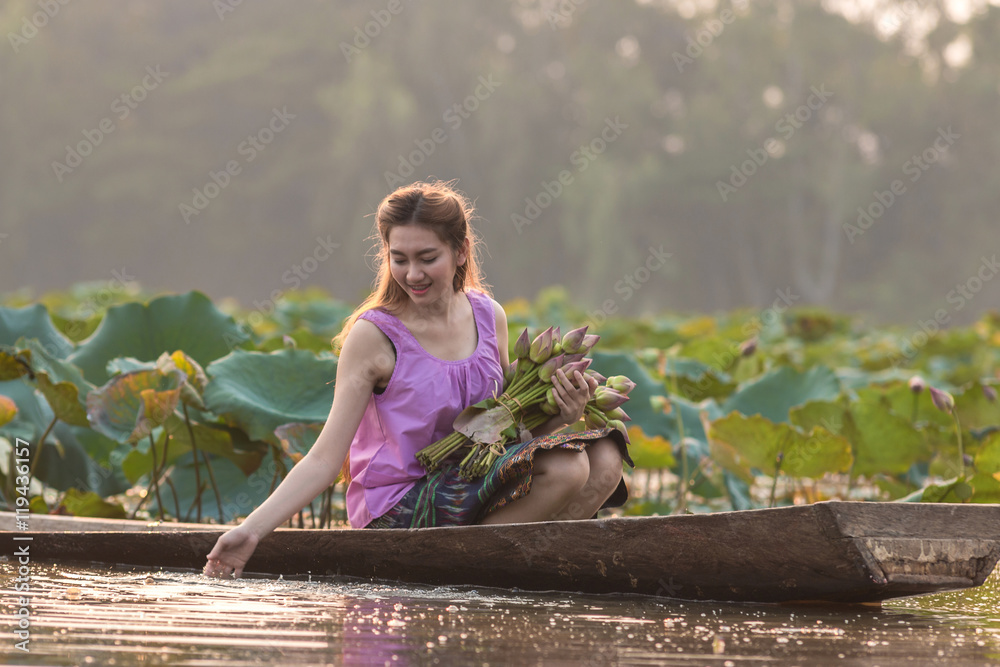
[(94, 616)]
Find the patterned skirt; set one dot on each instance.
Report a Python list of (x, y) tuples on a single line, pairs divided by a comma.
[(441, 498)]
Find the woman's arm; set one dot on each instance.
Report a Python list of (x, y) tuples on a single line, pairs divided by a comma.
[(366, 358)]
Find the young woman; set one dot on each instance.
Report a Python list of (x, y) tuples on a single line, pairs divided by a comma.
[(427, 343)]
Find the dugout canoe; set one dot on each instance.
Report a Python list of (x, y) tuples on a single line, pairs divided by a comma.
[(825, 552)]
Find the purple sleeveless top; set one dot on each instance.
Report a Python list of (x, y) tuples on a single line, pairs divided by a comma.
[(417, 408)]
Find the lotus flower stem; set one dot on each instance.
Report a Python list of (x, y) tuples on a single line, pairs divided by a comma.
[(177, 502), (38, 452), (194, 455), (153, 481)]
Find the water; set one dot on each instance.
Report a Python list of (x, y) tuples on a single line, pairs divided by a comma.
[(91, 616)]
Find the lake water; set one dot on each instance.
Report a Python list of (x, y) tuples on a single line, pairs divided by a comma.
[(91, 616)]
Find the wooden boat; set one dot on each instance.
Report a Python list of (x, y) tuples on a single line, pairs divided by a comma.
[(829, 551)]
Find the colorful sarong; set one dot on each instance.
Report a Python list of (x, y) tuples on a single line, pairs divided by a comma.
[(441, 498)]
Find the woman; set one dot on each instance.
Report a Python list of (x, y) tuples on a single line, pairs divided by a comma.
[(427, 343)]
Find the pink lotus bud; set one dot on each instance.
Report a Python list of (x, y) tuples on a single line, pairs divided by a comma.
[(748, 347), (548, 369), (589, 341), (621, 384), (573, 340), (508, 377), (541, 347), (607, 398), (523, 346), (620, 426), (943, 401), (990, 392), (597, 376), (917, 384), (557, 347), (618, 413), (570, 369), (570, 358)]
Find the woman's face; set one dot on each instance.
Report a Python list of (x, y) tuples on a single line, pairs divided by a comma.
[(422, 264)]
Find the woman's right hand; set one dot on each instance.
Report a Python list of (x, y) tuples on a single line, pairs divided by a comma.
[(231, 552)]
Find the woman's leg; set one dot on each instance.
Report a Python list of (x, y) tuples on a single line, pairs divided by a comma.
[(605, 461), (566, 485), (557, 477)]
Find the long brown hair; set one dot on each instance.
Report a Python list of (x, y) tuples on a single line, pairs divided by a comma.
[(443, 210)]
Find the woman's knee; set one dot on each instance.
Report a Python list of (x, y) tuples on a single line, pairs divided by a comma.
[(605, 459), (563, 466)]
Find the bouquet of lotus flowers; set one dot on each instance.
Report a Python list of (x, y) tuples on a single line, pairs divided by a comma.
[(527, 401)]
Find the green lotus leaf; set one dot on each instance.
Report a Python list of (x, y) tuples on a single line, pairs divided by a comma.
[(883, 442), (897, 397), (33, 322), (323, 317), (297, 438), (776, 392), (974, 409), (188, 322), (301, 339), (708, 385), (64, 399), (742, 443), (121, 365), (209, 440), (13, 363), (259, 392), (649, 451), (88, 503), (8, 410), (129, 406)]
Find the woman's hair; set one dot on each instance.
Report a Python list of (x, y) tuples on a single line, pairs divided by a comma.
[(438, 207)]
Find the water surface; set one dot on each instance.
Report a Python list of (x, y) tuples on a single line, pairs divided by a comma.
[(86, 615)]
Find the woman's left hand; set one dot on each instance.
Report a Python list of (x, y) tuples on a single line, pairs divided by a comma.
[(572, 395)]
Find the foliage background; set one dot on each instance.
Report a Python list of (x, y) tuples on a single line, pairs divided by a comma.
[(898, 72)]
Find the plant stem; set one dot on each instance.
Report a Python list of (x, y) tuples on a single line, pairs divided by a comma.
[(154, 482), (38, 452), (194, 453), (777, 470), (961, 449)]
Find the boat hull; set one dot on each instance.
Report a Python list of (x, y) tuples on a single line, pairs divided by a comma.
[(825, 552)]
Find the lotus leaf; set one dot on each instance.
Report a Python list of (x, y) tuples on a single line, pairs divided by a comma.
[(88, 503), (188, 322), (33, 322), (649, 451), (259, 392), (297, 438), (129, 406), (742, 444), (778, 391)]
